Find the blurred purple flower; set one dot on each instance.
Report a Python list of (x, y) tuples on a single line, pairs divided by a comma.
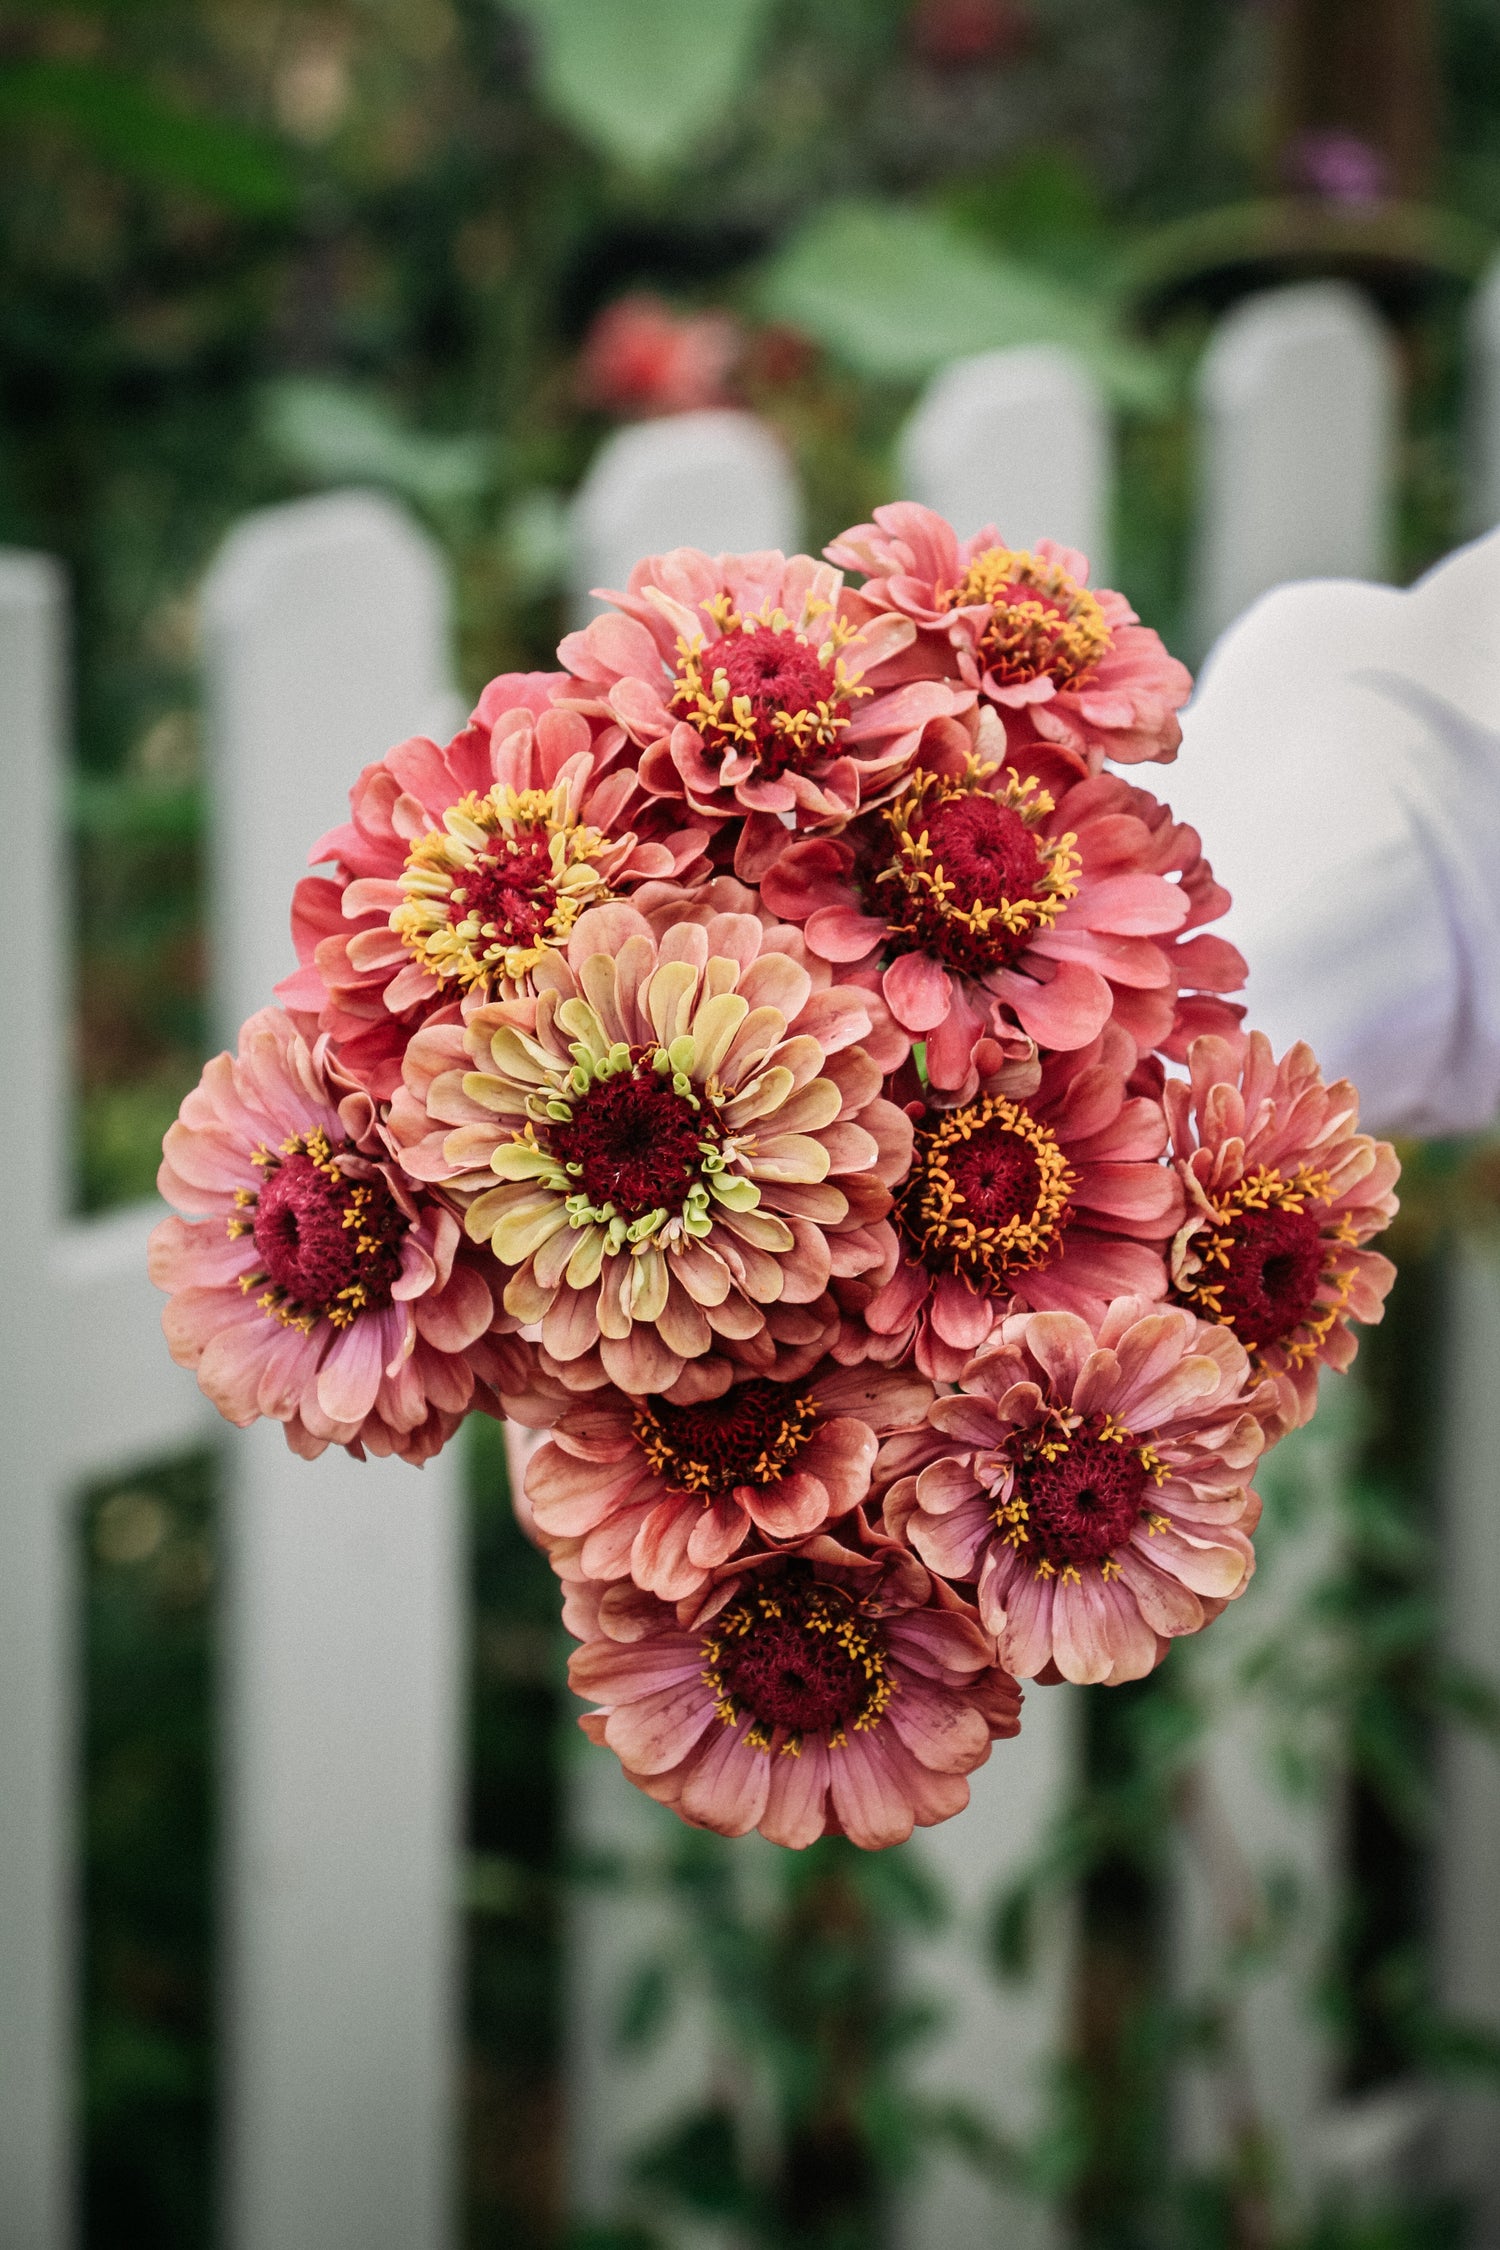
[(1336, 166)]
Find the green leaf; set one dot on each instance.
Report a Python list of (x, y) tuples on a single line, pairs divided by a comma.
[(136, 131), (645, 81), (343, 436), (898, 292)]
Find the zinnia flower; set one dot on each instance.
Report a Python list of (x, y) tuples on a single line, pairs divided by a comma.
[(1059, 660), (310, 1283), (1091, 1478), (742, 678), (1050, 1198), (672, 1138), (988, 909), (460, 868), (664, 1494), (829, 1690), (1282, 1193)]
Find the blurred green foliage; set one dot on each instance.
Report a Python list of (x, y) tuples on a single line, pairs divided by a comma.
[(150, 1555)]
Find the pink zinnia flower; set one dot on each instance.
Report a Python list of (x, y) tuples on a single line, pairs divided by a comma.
[(665, 1494), (461, 867), (673, 1137), (1282, 1193), (742, 678), (829, 1690), (1054, 1197), (1071, 665), (987, 908), (310, 1283), (1091, 1480)]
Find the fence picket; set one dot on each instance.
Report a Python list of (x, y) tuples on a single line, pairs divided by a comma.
[(1297, 395), (326, 627), (37, 1641), (721, 482), (1297, 401), (1019, 439), (716, 479)]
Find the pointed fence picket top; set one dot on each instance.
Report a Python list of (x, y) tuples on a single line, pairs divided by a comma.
[(1468, 1827), (89, 1390), (1298, 402), (325, 643), (717, 479), (1019, 439), (1482, 497)]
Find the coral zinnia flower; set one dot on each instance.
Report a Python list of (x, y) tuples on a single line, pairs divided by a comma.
[(1052, 1198), (742, 677), (1092, 1479), (986, 908), (683, 1134), (828, 1690), (1282, 1192), (461, 867), (664, 1494), (1070, 664), (315, 1286)]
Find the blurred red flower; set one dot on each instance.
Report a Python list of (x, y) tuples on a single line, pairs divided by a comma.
[(642, 356), (958, 33)]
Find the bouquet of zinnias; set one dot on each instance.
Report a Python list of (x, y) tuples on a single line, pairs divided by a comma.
[(777, 1058)]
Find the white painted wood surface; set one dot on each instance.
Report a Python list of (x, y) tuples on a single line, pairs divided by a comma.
[(1297, 397), (715, 479), (87, 1389), (719, 481), (1020, 439), (1482, 406), (1297, 400), (1249, 1838), (326, 642), (1467, 1901)]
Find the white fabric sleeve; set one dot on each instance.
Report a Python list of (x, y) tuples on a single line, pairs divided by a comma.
[(1341, 762)]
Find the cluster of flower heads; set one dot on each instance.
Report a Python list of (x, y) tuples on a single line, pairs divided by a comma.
[(776, 1061)]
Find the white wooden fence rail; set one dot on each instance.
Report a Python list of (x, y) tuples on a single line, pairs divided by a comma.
[(326, 630)]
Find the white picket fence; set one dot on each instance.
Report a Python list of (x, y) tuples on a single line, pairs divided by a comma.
[(326, 639)]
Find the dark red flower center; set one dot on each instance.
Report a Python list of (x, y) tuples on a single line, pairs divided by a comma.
[(965, 874), (1275, 1266), (987, 1194), (765, 691), (982, 857), (510, 890), (796, 1655), (632, 1141), (330, 1242), (997, 1175), (749, 1436), (1083, 1502)]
